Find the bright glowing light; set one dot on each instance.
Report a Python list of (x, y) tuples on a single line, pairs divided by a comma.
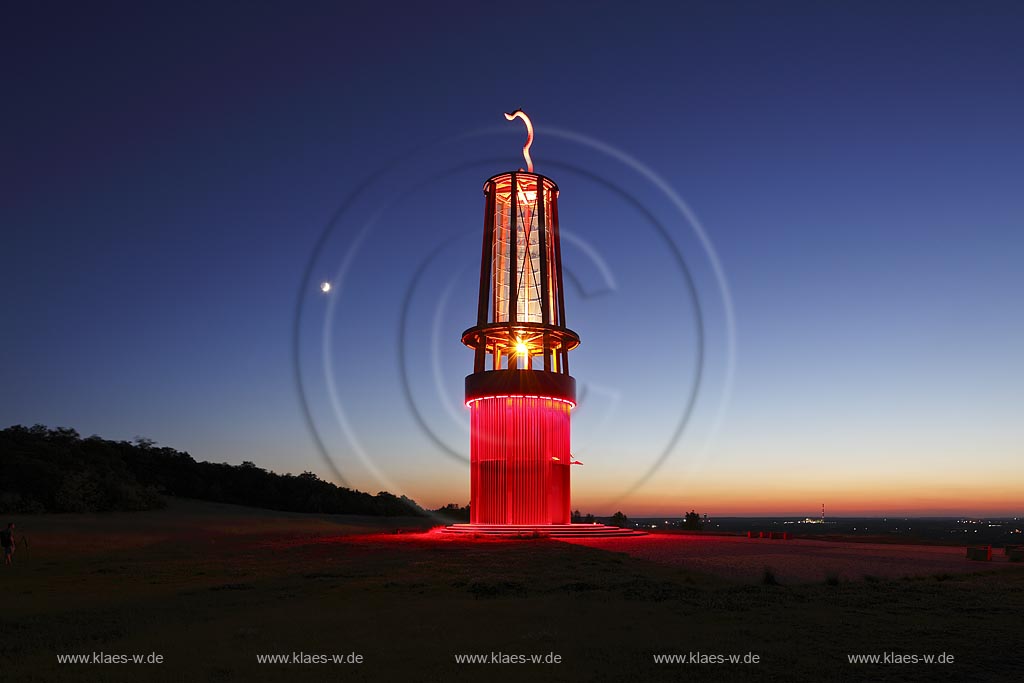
[(470, 402), (521, 348), (519, 113), (325, 287)]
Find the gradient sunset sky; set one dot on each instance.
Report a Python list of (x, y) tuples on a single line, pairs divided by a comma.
[(857, 169)]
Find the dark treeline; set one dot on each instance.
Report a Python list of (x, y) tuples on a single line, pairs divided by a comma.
[(55, 470), (453, 512)]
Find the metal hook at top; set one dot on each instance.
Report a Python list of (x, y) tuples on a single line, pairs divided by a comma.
[(519, 113)]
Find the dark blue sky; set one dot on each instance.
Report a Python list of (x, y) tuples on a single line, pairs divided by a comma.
[(167, 171)]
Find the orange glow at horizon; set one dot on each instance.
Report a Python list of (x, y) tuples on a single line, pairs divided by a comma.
[(725, 496), (849, 500)]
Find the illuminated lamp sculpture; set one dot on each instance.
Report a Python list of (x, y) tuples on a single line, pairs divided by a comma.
[(521, 393)]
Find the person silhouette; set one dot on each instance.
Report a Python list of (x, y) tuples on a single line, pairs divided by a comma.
[(7, 541)]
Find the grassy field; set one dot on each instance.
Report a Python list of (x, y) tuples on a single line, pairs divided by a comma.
[(211, 586)]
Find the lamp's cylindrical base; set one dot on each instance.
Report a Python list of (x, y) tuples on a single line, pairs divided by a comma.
[(519, 460)]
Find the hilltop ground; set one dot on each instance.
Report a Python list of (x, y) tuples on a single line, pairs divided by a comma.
[(210, 586), (800, 560)]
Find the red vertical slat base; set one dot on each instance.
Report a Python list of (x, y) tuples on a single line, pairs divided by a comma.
[(519, 460)]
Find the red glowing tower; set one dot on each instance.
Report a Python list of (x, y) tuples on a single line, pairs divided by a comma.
[(520, 392)]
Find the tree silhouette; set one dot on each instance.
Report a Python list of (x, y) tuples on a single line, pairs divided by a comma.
[(692, 521), (55, 470), (453, 512)]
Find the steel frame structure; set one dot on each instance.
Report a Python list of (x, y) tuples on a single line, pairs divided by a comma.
[(520, 393)]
